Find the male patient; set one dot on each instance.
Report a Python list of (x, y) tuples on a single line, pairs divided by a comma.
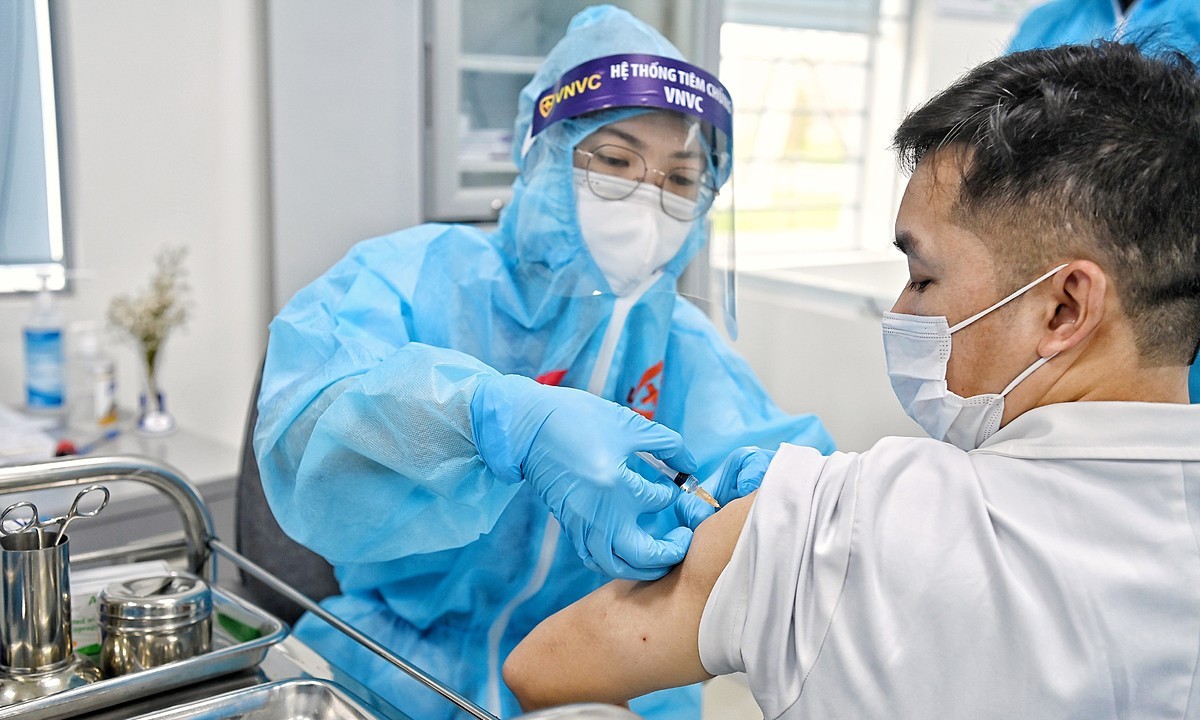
[(1037, 558)]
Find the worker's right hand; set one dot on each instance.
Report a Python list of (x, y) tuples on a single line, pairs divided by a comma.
[(572, 448), (740, 475)]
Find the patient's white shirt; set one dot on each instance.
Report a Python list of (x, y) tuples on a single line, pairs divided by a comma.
[(1052, 573)]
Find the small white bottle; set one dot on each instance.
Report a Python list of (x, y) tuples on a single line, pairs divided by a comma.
[(44, 361), (91, 380)]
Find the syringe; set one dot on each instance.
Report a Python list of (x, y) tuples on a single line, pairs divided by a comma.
[(687, 483)]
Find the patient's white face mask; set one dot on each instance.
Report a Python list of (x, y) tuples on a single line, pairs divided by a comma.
[(917, 350), (632, 238)]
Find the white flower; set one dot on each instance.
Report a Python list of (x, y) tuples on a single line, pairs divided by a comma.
[(149, 318)]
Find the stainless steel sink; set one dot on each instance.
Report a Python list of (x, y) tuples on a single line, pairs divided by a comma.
[(286, 700)]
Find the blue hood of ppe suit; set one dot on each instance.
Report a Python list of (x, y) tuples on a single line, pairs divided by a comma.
[(539, 228)]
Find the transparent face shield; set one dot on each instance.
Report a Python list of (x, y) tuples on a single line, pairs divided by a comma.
[(710, 279), (653, 189)]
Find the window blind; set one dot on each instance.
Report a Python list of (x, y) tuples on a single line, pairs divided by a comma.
[(857, 16)]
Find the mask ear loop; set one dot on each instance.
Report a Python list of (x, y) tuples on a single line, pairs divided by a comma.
[(1028, 371), (1005, 301), (1040, 361)]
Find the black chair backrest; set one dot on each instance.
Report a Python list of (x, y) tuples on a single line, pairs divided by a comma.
[(260, 538)]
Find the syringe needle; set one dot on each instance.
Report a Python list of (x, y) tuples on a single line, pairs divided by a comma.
[(686, 482), (693, 486)]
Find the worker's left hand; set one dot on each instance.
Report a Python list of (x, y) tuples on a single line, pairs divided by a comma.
[(740, 475), (687, 510)]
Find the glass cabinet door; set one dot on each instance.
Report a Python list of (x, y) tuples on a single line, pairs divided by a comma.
[(478, 56)]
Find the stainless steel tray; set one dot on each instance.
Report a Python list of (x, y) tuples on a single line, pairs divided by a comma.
[(229, 654), (286, 700)]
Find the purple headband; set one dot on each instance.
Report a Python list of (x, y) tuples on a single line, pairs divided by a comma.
[(635, 81)]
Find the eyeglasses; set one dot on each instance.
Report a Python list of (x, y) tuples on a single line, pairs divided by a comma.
[(614, 172)]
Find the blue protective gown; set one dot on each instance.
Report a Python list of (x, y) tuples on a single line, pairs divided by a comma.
[(364, 438), (1155, 24)]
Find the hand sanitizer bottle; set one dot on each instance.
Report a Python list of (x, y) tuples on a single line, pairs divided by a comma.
[(44, 354)]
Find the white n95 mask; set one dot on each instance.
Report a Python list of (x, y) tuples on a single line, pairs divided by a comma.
[(917, 350), (632, 238)]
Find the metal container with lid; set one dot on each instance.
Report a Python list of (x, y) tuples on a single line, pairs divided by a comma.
[(151, 621)]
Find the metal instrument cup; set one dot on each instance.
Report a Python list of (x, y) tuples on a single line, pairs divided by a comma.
[(35, 603)]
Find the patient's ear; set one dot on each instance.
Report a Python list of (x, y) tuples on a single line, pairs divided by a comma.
[(1079, 292)]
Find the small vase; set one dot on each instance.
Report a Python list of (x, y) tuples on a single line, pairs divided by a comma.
[(153, 418)]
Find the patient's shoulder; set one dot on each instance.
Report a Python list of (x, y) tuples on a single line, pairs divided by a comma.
[(713, 544)]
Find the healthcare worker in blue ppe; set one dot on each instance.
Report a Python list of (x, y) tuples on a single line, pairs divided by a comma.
[(1153, 24), (472, 402)]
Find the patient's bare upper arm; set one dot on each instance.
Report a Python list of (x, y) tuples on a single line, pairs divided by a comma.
[(628, 638)]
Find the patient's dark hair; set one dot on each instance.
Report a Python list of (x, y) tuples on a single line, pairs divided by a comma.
[(1082, 151)]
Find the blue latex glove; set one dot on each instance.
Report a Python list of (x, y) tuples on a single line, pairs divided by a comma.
[(741, 474), (573, 448)]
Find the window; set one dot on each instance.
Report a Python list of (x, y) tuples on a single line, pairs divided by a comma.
[(31, 229), (818, 86)]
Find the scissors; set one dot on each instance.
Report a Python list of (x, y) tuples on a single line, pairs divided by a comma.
[(12, 515)]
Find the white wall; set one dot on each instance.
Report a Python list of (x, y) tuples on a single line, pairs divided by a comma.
[(163, 133), (947, 44), (825, 361), (345, 119), (166, 116)]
